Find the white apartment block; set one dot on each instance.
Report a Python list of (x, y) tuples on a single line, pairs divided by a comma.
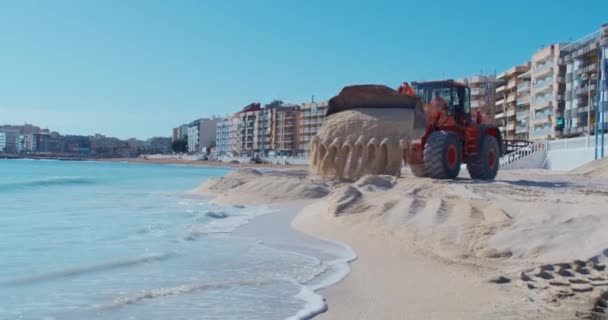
[(545, 101)]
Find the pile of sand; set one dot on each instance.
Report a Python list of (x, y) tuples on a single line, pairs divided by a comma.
[(597, 168), (542, 234), (356, 142), (252, 186), (511, 228)]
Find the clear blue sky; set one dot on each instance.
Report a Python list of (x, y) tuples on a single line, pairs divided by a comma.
[(138, 68)]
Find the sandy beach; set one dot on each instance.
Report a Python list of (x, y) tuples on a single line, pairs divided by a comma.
[(530, 245)]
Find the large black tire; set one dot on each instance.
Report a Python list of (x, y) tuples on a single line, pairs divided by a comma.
[(442, 155), (485, 166)]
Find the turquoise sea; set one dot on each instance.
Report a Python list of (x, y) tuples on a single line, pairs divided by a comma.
[(92, 240)]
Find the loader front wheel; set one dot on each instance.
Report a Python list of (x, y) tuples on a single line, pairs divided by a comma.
[(442, 155)]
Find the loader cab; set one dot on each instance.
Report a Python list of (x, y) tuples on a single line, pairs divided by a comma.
[(455, 95)]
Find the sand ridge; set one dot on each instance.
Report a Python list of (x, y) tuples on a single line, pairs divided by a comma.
[(486, 234)]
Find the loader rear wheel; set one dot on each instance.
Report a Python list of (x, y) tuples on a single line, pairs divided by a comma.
[(485, 166), (442, 155)]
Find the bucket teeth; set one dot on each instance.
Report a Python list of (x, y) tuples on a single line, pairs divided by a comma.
[(348, 160), (354, 143)]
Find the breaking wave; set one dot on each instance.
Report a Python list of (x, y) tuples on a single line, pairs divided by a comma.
[(46, 182), (88, 269)]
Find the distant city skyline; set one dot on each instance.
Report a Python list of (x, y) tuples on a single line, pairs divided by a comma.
[(139, 69)]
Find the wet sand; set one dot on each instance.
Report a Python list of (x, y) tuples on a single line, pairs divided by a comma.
[(530, 245)]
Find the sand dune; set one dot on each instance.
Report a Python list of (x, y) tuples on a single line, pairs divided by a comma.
[(597, 168), (531, 245)]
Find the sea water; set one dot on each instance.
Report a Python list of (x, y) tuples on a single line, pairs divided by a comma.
[(90, 240)]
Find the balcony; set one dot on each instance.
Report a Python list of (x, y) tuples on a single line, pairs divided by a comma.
[(541, 121), (542, 131), (524, 87), (543, 87), (499, 116), (481, 91), (510, 126), (584, 90), (499, 89), (500, 101), (511, 98), (521, 129), (510, 113), (523, 100), (512, 84), (544, 69), (542, 103), (521, 115)]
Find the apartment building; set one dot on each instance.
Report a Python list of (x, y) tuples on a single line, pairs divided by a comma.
[(158, 145), (546, 104), (180, 132), (506, 106), (201, 134), (583, 59), (284, 129), (222, 136), (11, 139), (483, 95), (26, 143), (257, 130), (250, 130), (49, 143), (310, 119), (522, 107), (19, 138), (2, 141)]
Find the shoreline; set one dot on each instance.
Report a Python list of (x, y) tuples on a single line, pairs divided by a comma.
[(405, 282), (335, 255), (202, 163), (461, 249)]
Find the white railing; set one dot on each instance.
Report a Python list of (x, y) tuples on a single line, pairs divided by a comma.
[(523, 153)]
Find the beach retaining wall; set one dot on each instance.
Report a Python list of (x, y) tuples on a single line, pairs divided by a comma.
[(567, 154)]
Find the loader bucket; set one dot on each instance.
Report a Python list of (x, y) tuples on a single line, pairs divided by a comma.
[(365, 132)]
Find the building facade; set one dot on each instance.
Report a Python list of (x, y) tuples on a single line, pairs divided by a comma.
[(157, 145), (201, 134), (547, 83), (522, 111), (222, 136), (506, 106), (310, 118), (251, 130), (483, 95), (11, 140), (49, 143), (284, 129), (180, 132), (2, 141), (584, 89)]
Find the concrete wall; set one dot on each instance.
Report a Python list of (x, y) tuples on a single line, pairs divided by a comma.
[(568, 154)]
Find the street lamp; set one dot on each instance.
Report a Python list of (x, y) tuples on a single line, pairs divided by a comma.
[(589, 77)]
